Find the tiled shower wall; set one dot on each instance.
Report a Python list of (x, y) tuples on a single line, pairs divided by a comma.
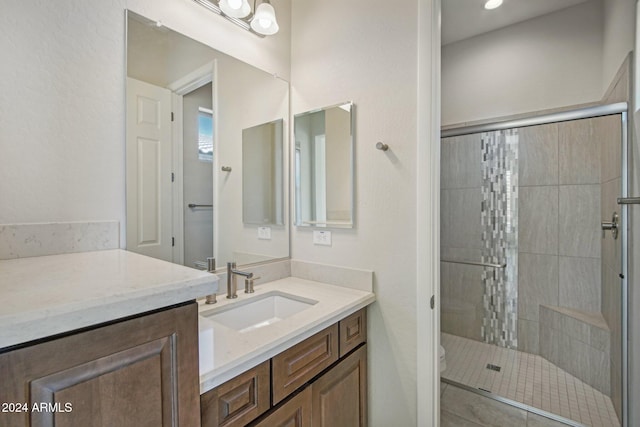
[(559, 234), (461, 236), (559, 225)]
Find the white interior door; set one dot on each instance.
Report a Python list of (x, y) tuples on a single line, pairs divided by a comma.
[(149, 170)]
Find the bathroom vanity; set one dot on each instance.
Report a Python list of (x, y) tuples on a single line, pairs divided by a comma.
[(108, 335), (308, 366), (117, 336)]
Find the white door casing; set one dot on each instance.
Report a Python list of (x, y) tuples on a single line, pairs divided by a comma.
[(148, 170)]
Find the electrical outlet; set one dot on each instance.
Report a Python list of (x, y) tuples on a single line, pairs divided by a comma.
[(264, 233), (322, 238)]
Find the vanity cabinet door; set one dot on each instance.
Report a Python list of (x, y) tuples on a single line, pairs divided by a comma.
[(295, 412), (238, 401), (135, 373), (353, 331), (339, 397), (298, 365)]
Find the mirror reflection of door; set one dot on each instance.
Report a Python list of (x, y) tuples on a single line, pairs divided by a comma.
[(198, 172), (148, 169)]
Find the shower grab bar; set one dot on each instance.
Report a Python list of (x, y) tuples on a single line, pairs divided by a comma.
[(193, 205), (629, 200), (481, 264)]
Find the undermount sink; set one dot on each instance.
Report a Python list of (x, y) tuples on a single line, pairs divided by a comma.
[(258, 312)]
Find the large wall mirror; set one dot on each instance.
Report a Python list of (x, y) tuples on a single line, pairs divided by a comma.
[(323, 171), (204, 132)]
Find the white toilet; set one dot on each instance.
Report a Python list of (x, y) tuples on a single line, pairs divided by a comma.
[(443, 361)]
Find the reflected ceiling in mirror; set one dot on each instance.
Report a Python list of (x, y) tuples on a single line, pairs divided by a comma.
[(187, 107), (323, 172)]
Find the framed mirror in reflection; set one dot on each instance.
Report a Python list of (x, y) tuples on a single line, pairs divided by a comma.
[(190, 109), (323, 169), (262, 174)]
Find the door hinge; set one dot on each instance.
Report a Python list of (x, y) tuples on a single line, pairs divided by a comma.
[(172, 116), (433, 302), (173, 177), (173, 241)]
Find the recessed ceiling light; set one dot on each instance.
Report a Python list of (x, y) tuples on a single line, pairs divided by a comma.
[(492, 4)]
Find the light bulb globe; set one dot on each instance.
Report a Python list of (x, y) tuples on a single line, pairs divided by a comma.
[(235, 8), (264, 20)]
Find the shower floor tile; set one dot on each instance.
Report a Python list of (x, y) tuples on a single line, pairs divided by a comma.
[(526, 378)]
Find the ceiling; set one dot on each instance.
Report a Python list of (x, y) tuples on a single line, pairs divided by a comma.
[(462, 19)]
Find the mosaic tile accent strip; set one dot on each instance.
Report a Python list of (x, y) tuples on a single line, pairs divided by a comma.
[(499, 221)]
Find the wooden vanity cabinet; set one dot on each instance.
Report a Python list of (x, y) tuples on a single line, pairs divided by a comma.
[(295, 412), (297, 365), (339, 397), (134, 373), (239, 400), (353, 331), (321, 381)]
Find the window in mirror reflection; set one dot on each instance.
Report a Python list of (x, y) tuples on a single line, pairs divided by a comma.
[(205, 135), (323, 167)]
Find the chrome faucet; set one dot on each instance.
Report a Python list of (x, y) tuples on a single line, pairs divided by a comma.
[(211, 268), (232, 284)]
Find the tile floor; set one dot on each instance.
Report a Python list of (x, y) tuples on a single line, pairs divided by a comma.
[(525, 378), (461, 408)]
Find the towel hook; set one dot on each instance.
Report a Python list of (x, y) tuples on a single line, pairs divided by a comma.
[(382, 146)]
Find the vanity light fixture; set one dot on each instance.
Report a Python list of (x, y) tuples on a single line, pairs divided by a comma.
[(492, 4), (264, 19), (235, 8), (262, 22)]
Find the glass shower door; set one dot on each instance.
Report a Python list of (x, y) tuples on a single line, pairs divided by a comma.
[(532, 290)]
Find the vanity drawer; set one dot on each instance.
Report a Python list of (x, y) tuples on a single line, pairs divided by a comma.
[(299, 364), (296, 412), (239, 400), (353, 331)]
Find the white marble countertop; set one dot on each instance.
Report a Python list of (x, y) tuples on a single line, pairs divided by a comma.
[(48, 295), (225, 353)]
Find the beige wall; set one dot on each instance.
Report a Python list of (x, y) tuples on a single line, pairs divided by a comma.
[(618, 36), (61, 140), (546, 62), (350, 51)]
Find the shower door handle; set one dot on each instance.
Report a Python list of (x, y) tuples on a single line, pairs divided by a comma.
[(629, 200), (611, 225)]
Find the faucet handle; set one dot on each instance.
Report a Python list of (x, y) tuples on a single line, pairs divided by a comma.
[(248, 284)]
